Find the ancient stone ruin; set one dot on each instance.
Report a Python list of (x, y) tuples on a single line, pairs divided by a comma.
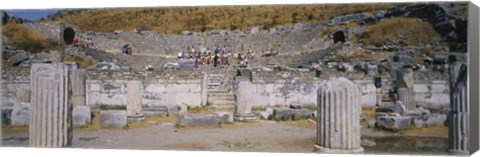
[(458, 116), (307, 83), (51, 111), (338, 117)]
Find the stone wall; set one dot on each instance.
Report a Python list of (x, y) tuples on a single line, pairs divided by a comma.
[(53, 30), (155, 93)]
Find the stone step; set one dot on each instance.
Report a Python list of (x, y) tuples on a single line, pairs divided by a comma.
[(217, 90), (220, 94), (216, 75), (214, 84), (220, 101), (221, 108)]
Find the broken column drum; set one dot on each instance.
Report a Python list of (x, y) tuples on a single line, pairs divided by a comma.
[(404, 83), (50, 115), (458, 123), (134, 100), (338, 125)]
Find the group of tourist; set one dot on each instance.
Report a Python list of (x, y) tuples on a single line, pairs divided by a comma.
[(83, 43), (218, 56)]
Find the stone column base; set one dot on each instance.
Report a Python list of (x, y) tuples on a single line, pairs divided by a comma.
[(135, 118), (245, 117), (457, 152), (321, 149)]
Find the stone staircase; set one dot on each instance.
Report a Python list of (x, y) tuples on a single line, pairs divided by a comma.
[(220, 97)]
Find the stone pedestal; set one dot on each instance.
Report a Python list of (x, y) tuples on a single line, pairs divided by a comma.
[(51, 109), (134, 101), (404, 83), (338, 125), (243, 108), (458, 123)]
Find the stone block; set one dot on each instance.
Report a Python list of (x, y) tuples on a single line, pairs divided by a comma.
[(18, 59), (430, 120), (134, 100), (171, 110), (267, 113), (290, 114), (81, 116), (393, 123), (21, 114), (187, 119), (113, 119), (225, 117)]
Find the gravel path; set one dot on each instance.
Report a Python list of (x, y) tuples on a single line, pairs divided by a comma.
[(260, 136)]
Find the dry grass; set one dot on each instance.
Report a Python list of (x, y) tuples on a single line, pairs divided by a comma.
[(24, 38), (432, 131), (175, 20), (400, 31), (83, 62), (28, 39), (15, 128)]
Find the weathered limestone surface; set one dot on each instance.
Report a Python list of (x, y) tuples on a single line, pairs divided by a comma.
[(51, 110), (243, 106), (134, 100), (113, 119), (81, 116), (21, 114), (23, 95), (78, 87), (186, 119), (404, 83), (339, 109), (458, 116), (290, 114)]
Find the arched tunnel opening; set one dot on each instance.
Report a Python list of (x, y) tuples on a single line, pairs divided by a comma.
[(339, 36), (68, 35)]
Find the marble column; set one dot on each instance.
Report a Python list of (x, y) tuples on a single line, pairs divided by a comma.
[(338, 123), (134, 100), (51, 111), (458, 123)]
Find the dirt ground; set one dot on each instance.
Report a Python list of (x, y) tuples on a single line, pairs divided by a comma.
[(259, 136)]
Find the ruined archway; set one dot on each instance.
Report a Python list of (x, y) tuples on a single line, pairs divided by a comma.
[(68, 35), (339, 36)]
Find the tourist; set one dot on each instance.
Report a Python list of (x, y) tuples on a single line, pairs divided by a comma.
[(180, 55), (126, 49), (225, 59), (89, 43), (75, 42), (215, 59)]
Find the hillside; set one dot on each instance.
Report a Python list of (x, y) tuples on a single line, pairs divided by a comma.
[(175, 20)]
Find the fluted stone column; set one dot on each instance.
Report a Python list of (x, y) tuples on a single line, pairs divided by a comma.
[(458, 123), (134, 100), (339, 109), (404, 83), (50, 115)]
